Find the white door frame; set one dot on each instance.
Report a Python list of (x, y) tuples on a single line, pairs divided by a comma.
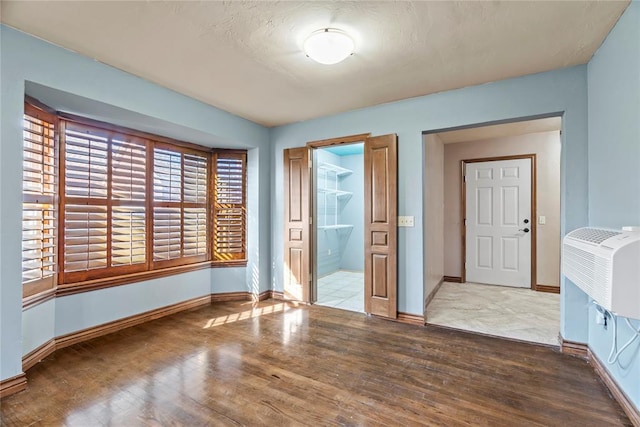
[(532, 215)]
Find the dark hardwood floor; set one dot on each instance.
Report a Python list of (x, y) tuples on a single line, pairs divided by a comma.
[(278, 364)]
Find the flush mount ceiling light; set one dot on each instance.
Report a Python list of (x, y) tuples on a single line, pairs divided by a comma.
[(328, 46)]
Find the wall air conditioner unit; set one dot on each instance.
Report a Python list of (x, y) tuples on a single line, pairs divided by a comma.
[(606, 265)]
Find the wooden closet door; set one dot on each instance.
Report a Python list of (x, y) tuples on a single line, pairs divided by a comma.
[(380, 226), (297, 246)]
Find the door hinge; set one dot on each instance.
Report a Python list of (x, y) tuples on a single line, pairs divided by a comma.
[(310, 220), (310, 164), (310, 277), (465, 221)]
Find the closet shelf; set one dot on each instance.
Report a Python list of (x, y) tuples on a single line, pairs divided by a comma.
[(339, 171), (334, 227), (338, 193)]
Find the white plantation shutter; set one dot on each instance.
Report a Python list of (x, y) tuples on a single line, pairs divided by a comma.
[(128, 201), (85, 237), (229, 212), (167, 197), (128, 235), (128, 181), (39, 186), (195, 179), (104, 203), (167, 175), (167, 233), (179, 206), (85, 165), (85, 202), (195, 206), (195, 231)]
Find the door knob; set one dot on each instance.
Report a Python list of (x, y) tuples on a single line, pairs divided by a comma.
[(526, 221), (526, 230)]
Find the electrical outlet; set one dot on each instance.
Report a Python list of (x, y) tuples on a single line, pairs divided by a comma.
[(405, 221)]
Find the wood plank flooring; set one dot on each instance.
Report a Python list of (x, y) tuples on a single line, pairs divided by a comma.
[(275, 363)]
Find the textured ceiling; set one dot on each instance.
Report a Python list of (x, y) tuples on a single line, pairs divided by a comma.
[(500, 131), (245, 57)]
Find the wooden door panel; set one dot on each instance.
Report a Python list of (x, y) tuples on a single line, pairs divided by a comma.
[(380, 183), (379, 271), (295, 263), (379, 238), (295, 189), (296, 234)]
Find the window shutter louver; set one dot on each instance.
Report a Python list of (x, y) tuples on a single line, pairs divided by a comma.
[(38, 207), (85, 237), (85, 207), (128, 202), (85, 165), (167, 194), (229, 214), (104, 203), (129, 170), (195, 212), (179, 206), (167, 176), (128, 239), (195, 231)]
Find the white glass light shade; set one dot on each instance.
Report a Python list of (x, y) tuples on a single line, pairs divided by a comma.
[(328, 46)]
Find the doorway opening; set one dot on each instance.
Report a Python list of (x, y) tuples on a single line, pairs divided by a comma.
[(338, 173), (499, 258), (379, 219)]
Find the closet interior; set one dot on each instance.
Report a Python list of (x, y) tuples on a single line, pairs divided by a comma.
[(339, 202)]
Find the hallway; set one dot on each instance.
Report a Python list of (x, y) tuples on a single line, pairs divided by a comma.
[(516, 313)]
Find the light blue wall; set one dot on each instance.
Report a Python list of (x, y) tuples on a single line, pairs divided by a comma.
[(81, 311), (557, 91), (27, 61), (353, 213), (614, 167), (38, 325)]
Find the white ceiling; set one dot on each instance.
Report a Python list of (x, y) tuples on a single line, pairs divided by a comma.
[(502, 130), (246, 58)]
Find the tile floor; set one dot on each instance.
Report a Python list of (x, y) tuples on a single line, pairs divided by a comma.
[(342, 289), (497, 310)]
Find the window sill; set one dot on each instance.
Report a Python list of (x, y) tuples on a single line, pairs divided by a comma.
[(234, 263)]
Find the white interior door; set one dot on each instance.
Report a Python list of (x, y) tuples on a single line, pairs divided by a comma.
[(498, 222)]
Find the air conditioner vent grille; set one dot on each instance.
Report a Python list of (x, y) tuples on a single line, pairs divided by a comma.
[(590, 272), (593, 235)]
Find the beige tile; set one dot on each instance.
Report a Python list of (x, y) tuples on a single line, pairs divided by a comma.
[(497, 310)]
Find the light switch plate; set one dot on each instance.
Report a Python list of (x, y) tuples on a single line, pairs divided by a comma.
[(405, 221), (542, 220)]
